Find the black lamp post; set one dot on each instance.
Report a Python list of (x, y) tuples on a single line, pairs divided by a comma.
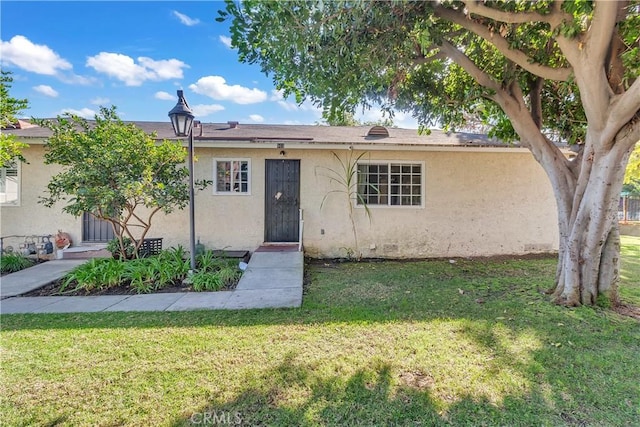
[(182, 121)]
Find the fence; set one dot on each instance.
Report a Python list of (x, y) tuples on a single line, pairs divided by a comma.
[(629, 208)]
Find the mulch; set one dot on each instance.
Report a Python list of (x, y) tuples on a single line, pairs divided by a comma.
[(53, 289)]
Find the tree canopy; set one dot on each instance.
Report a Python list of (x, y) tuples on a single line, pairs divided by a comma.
[(10, 108), (542, 72), (115, 171), (442, 61)]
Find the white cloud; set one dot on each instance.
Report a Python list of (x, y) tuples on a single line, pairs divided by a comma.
[(217, 88), (189, 22), (203, 110), (276, 96), (75, 79), (124, 68), (256, 118), (400, 118), (226, 41), (46, 90), (100, 101), (164, 69), (87, 113), (165, 96), (37, 58)]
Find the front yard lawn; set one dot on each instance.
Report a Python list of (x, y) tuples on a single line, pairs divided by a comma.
[(391, 343)]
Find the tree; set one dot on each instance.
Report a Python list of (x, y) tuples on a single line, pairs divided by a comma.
[(347, 118), (116, 172), (542, 72), (10, 147)]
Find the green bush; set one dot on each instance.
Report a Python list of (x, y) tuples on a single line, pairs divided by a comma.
[(176, 261), (114, 247), (141, 275), (97, 273), (146, 275), (14, 261), (206, 281), (214, 273)]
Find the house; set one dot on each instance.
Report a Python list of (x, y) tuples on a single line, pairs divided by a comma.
[(437, 195)]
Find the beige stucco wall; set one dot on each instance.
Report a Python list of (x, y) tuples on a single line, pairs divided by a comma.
[(31, 217), (475, 204)]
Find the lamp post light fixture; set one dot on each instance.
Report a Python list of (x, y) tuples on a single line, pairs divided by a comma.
[(182, 121)]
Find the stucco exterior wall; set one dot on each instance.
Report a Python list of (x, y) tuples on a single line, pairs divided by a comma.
[(31, 217), (475, 204)]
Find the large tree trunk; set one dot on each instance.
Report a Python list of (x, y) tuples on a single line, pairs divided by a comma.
[(588, 264), (587, 192)]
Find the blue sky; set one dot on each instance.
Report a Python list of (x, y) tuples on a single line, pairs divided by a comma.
[(75, 56)]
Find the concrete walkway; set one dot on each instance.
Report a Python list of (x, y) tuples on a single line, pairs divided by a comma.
[(272, 280)]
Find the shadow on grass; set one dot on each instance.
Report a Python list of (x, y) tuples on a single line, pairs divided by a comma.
[(367, 293), (293, 394), (535, 363)]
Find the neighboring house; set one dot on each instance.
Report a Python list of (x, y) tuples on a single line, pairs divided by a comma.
[(437, 195)]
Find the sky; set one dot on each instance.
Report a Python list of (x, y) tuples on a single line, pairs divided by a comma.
[(76, 56)]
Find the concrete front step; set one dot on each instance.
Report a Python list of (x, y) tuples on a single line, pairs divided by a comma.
[(84, 252)]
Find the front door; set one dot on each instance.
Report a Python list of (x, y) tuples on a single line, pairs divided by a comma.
[(282, 200), (95, 230)]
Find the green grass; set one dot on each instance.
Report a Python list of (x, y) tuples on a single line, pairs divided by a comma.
[(630, 274), (421, 343)]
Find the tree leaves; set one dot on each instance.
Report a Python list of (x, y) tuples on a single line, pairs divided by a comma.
[(346, 54), (113, 170), (10, 147)]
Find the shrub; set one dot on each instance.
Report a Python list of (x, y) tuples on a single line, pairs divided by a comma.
[(97, 273), (214, 273), (176, 260), (146, 275), (141, 274), (14, 261), (229, 274), (114, 247), (206, 281)]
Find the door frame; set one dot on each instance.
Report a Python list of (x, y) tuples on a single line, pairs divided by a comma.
[(89, 224), (292, 217)]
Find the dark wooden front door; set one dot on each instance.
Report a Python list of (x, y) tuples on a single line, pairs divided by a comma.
[(95, 230), (282, 200)]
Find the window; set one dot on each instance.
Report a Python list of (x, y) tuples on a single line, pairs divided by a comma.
[(389, 183), (10, 185), (232, 176)]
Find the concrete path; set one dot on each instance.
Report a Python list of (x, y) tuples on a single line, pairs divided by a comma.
[(272, 280), (35, 277)]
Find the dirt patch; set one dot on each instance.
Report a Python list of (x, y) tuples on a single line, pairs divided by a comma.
[(628, 310), (332, 262), (55, 289), (417, 380)]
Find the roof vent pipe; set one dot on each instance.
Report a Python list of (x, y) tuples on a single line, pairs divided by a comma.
[(197, 124), (233, 125)]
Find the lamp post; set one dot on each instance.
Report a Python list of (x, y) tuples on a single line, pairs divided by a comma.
[(182, 121)]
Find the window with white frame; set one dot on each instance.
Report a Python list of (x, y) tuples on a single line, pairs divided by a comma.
[(10, 185), (390, 184), (232, 176)]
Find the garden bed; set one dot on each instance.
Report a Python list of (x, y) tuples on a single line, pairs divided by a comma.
[(163, 273), (56, 289)]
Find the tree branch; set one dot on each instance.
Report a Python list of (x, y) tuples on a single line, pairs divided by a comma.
[(469, 66), (554, 18), (500, 43), (623, 108), (600, 31)]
